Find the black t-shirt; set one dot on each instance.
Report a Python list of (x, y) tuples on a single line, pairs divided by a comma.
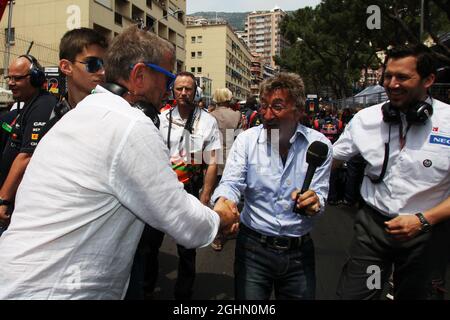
[(6, 120), (27, 130)]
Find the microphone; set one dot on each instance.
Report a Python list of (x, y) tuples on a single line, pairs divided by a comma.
[(315, 157)]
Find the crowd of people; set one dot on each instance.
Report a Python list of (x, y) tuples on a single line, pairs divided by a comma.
[(91, 182)]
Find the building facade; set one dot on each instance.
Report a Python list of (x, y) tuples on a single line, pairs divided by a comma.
[(264, 35), (40, 24), (214, 51)]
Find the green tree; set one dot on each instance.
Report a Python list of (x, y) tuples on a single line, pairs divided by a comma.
[(331, 44)]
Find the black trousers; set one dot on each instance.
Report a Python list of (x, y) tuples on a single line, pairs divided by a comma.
[(373, 252)]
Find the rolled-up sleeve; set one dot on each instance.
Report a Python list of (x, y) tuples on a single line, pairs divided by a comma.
[(321, 180), (345, 148)]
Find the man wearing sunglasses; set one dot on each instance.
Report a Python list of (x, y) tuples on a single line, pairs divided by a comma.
[(81, 53), (103, 172), (25, 80)]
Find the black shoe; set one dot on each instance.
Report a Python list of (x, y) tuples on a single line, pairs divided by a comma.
[(348, 203), (333, 202)]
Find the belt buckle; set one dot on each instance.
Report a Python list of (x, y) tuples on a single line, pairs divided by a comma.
[(277, 246)]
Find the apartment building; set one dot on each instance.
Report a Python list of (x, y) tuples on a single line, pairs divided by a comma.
[(257, 73), (40, 24), (214, 51), (264, 36)]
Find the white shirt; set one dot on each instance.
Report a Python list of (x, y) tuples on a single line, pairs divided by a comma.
[(94, 179), (417, 177), (205, 135)]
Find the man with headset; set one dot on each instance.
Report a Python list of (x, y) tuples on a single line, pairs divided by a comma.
[(25, 79), (74, 235), (192, 137), (407, 191)]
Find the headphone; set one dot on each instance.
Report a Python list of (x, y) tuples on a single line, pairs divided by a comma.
[(147, 108), (37, 75), (417, 114)]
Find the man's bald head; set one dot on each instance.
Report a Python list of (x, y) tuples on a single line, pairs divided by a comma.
[(19, 79)]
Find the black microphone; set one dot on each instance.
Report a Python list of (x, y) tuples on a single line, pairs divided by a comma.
[(315, 157)]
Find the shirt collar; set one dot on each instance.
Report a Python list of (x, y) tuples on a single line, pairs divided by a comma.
[(300, 131)]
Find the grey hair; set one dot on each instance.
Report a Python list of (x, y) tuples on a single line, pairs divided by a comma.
[(292, 82), (134, 45)]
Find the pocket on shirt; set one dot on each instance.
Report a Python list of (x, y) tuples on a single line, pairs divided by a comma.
[(196, 143), (429, 166)]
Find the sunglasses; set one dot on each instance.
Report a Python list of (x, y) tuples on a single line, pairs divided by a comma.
[(170, 76), (92, 64)]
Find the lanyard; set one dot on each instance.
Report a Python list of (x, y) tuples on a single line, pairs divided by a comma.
[(188, 126)]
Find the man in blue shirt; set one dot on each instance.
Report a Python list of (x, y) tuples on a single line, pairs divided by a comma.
[(267, 165)]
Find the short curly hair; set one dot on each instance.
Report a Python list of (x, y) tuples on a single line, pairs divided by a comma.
[(292, 82)]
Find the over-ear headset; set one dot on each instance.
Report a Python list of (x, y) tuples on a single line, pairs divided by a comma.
[(37, 75), (416, 114), (147, 108)]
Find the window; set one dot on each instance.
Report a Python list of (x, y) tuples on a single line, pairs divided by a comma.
[(199, 54), (199, 69), (118, 19), (192, 39), (199, 39), (193, 69), (193, 55)]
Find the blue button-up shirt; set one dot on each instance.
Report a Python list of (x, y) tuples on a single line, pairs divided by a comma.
[(254, 168)]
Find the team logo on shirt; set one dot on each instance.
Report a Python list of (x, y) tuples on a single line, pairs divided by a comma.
[(34, 136), (442, 140), (427, 163)]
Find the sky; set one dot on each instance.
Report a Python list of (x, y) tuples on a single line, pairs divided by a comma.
[(246, 5)]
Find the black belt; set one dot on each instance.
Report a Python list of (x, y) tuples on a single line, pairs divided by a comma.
[(278, 243)]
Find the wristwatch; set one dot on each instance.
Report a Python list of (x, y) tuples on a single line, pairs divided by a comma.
[(4, 202), (426, 226)]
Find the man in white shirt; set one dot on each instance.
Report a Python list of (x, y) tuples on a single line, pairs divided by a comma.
[(101, 173), (406, 188), (193, 138)]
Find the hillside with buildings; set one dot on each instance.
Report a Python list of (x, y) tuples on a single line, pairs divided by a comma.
[(234, 19)]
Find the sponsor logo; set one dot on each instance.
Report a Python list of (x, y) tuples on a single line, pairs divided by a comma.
[(34, 136), (39, 124), (427, 163), (435, 129), (36, 129), (445, 141)]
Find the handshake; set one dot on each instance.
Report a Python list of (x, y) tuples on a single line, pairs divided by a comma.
[(229, 216)]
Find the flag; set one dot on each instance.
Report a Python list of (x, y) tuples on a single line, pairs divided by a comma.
[(3, 4)]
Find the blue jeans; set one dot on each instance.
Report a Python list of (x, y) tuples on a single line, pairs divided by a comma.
[(259, 269)]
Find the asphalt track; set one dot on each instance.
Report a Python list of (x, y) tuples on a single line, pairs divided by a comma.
[(214, 281)]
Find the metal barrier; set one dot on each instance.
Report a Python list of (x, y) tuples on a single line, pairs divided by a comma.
[(46, 55), (441, 91)]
